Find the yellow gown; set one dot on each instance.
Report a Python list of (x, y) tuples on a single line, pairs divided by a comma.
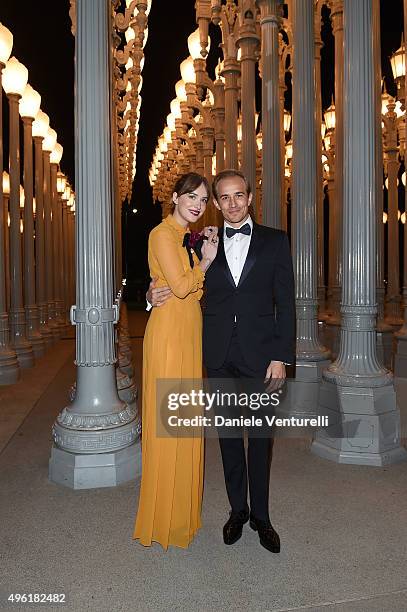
[(170, 501)]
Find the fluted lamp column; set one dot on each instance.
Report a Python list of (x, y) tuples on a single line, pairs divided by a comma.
[(6, 213), (57, 252), (219, 116), (61, 188), (272, 166), (357, 392), (336, 276), (39, 131), (228, 17), (311, 356), (320, 188), (248, 41), (392, 302), (71, 246), (384, 336), (15, 77), (9, 368), (95, 436), (29, 107), (47, 147)]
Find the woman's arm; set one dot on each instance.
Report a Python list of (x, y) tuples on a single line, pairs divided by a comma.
[(164, 247)]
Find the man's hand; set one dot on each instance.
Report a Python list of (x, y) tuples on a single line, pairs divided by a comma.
[(275, 376), (157, 296)]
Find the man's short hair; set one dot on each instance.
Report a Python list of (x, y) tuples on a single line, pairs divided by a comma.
[(229, 174)]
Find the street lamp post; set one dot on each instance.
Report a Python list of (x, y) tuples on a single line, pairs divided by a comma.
[(227, 17), (357, 392), (392, 164), (311, 356), (248, 42), (39, 130), (320, 189), (95, 436), (271, 120), (47, 147), (55, 158), (15, 77), (9, 369), (29, 107), (61, 182)]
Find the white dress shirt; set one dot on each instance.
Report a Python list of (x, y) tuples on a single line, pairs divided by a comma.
[(236, 249)]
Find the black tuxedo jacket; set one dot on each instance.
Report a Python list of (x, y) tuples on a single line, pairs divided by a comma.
[(263, 303)]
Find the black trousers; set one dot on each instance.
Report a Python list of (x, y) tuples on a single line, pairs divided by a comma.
[(240, 474)]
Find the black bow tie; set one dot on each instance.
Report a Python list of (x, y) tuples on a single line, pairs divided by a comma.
[(245, 229)]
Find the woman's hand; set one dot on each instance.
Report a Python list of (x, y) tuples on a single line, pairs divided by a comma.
[(209, 230), (209, 246)]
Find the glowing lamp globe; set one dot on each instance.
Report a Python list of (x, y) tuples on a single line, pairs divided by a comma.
[(171, 121), (40, 124), (49, 140), (175, 107), (30, 102), (6, 183), (61, 183), (287, 121), (15, 77), (398, 62), (6, 44), (56, 153), (167, 135), (289, 150), (194, 45), (187, 70), (329, 117), (180, 91)]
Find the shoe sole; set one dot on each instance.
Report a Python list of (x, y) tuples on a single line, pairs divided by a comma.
[(273, 549)]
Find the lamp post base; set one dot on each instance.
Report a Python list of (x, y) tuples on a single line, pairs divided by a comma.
[(91, 471), (301, 396), (364, 425)]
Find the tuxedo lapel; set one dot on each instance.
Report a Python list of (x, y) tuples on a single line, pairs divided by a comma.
[(221, 258), (254, 248)]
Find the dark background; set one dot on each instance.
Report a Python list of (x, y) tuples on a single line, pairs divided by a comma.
[(44, 43)]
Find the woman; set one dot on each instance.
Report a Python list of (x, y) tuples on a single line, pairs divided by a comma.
[(170, 502)]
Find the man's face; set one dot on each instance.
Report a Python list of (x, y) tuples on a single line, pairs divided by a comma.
[(233, 200)]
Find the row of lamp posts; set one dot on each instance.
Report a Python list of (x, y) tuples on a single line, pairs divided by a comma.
[(36, 226)]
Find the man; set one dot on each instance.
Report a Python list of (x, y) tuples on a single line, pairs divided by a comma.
[(248, 332)]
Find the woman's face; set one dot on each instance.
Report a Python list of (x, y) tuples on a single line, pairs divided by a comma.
[(189, 207)]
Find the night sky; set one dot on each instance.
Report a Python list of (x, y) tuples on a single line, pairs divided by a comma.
[(44, 43)]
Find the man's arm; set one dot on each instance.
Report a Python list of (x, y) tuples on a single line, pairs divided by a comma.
[(284, 299)]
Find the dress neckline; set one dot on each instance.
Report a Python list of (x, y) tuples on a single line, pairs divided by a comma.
[(179, 228)]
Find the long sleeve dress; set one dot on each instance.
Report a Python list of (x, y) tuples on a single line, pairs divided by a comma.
[(170, 501)]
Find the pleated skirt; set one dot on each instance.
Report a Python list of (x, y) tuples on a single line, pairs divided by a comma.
[(170, 502)]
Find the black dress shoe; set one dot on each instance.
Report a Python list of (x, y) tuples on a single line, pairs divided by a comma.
[(269, 538), (232, 530)]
